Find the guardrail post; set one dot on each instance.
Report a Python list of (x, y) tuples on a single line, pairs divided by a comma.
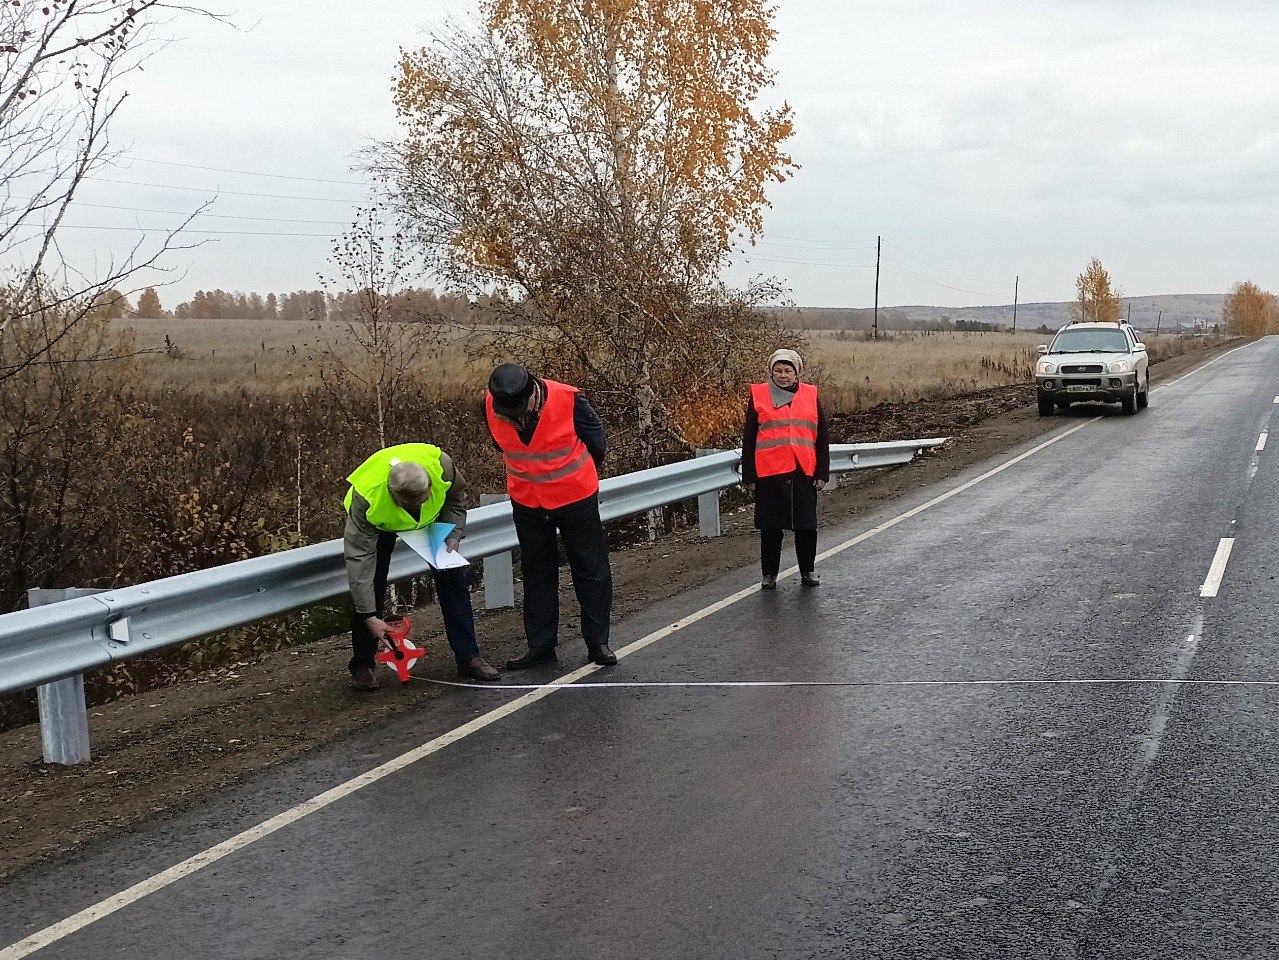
[(708, 506), (499, 571), (64, 719)]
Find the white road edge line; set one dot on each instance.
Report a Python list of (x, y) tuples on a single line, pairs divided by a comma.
[(1261, 442), (1187, 376), (104, 908), (1218, 569), (165, 878), (982, 682)]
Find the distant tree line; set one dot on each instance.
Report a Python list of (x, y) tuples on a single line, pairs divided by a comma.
[(858, 319), (406, 306)]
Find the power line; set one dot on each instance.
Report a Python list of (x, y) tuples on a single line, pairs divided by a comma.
[(951, 273), (186, 230), (920, 275), (934, 283), (859, 243), (819, 245), (192, 213), (750, 257), (120, 160), (813, 247), (232, 193), (245, 173)]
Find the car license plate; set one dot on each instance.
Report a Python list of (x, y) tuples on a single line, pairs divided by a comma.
[(1080, 389)]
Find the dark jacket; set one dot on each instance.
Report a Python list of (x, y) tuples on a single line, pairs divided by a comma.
[(786, 501)]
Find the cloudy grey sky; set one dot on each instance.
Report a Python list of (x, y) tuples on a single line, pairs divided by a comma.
[(983, 140)]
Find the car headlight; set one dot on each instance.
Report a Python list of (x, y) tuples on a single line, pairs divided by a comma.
[(1121, 366), (1045, 366)]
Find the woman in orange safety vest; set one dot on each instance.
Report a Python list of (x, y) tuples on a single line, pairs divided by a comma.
[(786, 460)]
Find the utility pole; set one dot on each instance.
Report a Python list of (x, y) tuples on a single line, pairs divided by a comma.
[(1129, 311), (875, 323), (1016, 287), (1158, 320)]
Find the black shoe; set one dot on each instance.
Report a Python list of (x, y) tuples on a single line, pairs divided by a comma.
[(810, 579), (364, 679), (602, 655), (477, 668), (768, 583), (535, 657)]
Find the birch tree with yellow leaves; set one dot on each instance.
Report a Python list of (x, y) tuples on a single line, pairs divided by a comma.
[(596, 162), (1096, 300), (1249, 311)]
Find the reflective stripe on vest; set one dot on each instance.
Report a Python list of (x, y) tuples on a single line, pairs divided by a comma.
[(787, 435), (369, 481), (554, 469)]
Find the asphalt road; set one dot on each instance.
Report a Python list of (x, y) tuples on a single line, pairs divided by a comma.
[(1114, 817)]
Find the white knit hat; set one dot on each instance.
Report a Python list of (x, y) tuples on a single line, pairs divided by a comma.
[(787, 356)]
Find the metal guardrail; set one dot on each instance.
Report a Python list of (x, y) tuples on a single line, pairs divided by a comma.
[(45, 644)]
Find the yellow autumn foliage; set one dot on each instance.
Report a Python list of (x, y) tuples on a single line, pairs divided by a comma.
[(595, 162)]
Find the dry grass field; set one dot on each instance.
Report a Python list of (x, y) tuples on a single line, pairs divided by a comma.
[(269, 358), (238, 442), (857, 374), (277, 358)]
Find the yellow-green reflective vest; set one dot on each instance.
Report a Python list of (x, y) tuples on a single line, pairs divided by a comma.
[(369, 481)]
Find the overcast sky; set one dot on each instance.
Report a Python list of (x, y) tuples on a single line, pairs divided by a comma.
[(983, 140)]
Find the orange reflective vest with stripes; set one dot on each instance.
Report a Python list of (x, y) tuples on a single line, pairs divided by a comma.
[(787, 435), (554, 469)]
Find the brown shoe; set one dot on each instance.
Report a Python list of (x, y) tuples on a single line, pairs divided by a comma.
[(477, 669), (363, 678)]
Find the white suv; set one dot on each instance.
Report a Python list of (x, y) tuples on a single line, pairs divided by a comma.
[(1093, 361)]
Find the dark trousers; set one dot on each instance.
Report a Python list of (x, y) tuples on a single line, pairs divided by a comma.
[(587, 551), (454, 591), (770, 551)]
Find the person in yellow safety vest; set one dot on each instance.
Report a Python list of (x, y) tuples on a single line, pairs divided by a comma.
[(405, 487), (786, 461), (553, 444)]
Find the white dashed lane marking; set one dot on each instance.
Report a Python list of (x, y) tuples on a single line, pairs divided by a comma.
[(1218, 568)]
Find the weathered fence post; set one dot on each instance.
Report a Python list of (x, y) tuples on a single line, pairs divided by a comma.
[(499, 571), (64, 718), (708, 506)]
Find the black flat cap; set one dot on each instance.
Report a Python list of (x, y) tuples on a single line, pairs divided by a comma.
[(511, 385)]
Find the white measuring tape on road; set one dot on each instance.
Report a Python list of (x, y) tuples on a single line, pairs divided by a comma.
[(1011, 682)]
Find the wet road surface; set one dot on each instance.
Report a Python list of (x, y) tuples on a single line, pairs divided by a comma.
[(993, 811)]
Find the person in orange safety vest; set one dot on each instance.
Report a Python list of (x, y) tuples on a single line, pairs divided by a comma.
[(553, 443), (786, 461)]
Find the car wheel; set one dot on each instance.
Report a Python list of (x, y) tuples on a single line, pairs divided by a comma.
[(1143, 400), (1046, 407), (1129, 403)]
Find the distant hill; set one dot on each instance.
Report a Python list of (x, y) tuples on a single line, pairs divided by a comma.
[(1181, 311)]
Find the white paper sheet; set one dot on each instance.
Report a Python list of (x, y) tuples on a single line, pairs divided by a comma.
[(430, 544)]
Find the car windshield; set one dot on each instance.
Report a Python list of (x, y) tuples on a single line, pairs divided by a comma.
[(1090, 341)]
